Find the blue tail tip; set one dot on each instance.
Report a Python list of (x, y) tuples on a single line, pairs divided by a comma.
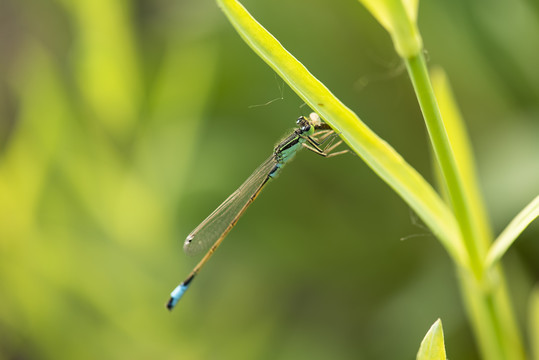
[(175, 296), (171, 303)]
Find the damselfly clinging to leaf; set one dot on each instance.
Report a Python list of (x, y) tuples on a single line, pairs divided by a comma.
[(311, 133)]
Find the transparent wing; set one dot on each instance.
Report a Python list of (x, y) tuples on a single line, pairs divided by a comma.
[(211, 229)]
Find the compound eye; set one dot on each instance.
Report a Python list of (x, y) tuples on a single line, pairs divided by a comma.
[(306, 127), (299, 120)]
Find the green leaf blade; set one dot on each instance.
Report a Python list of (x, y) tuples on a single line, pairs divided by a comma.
[(399, 18), (459, 139), (512, 231), (433, 347), (377, 154)]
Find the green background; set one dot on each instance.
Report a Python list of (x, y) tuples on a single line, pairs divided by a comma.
[(123, 124)]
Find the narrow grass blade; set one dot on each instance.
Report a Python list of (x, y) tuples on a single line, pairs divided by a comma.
[(381, 157), (417, 70), (432, 347), (512, 231), (462, 150), (399, 18), (490, 311)]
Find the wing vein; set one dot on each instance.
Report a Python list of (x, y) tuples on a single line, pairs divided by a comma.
[(215, 225)]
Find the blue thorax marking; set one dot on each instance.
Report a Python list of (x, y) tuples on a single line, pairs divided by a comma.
[(288, 148)]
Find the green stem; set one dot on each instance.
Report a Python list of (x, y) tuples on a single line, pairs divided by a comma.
[(491, 316), (485, 294), (418, 72)]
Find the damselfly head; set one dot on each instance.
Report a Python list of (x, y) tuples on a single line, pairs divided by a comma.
[(303, 123)]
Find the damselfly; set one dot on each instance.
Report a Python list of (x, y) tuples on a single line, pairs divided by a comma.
[(311, 133)]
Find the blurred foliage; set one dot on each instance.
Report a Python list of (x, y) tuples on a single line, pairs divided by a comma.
[(123, 124)]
